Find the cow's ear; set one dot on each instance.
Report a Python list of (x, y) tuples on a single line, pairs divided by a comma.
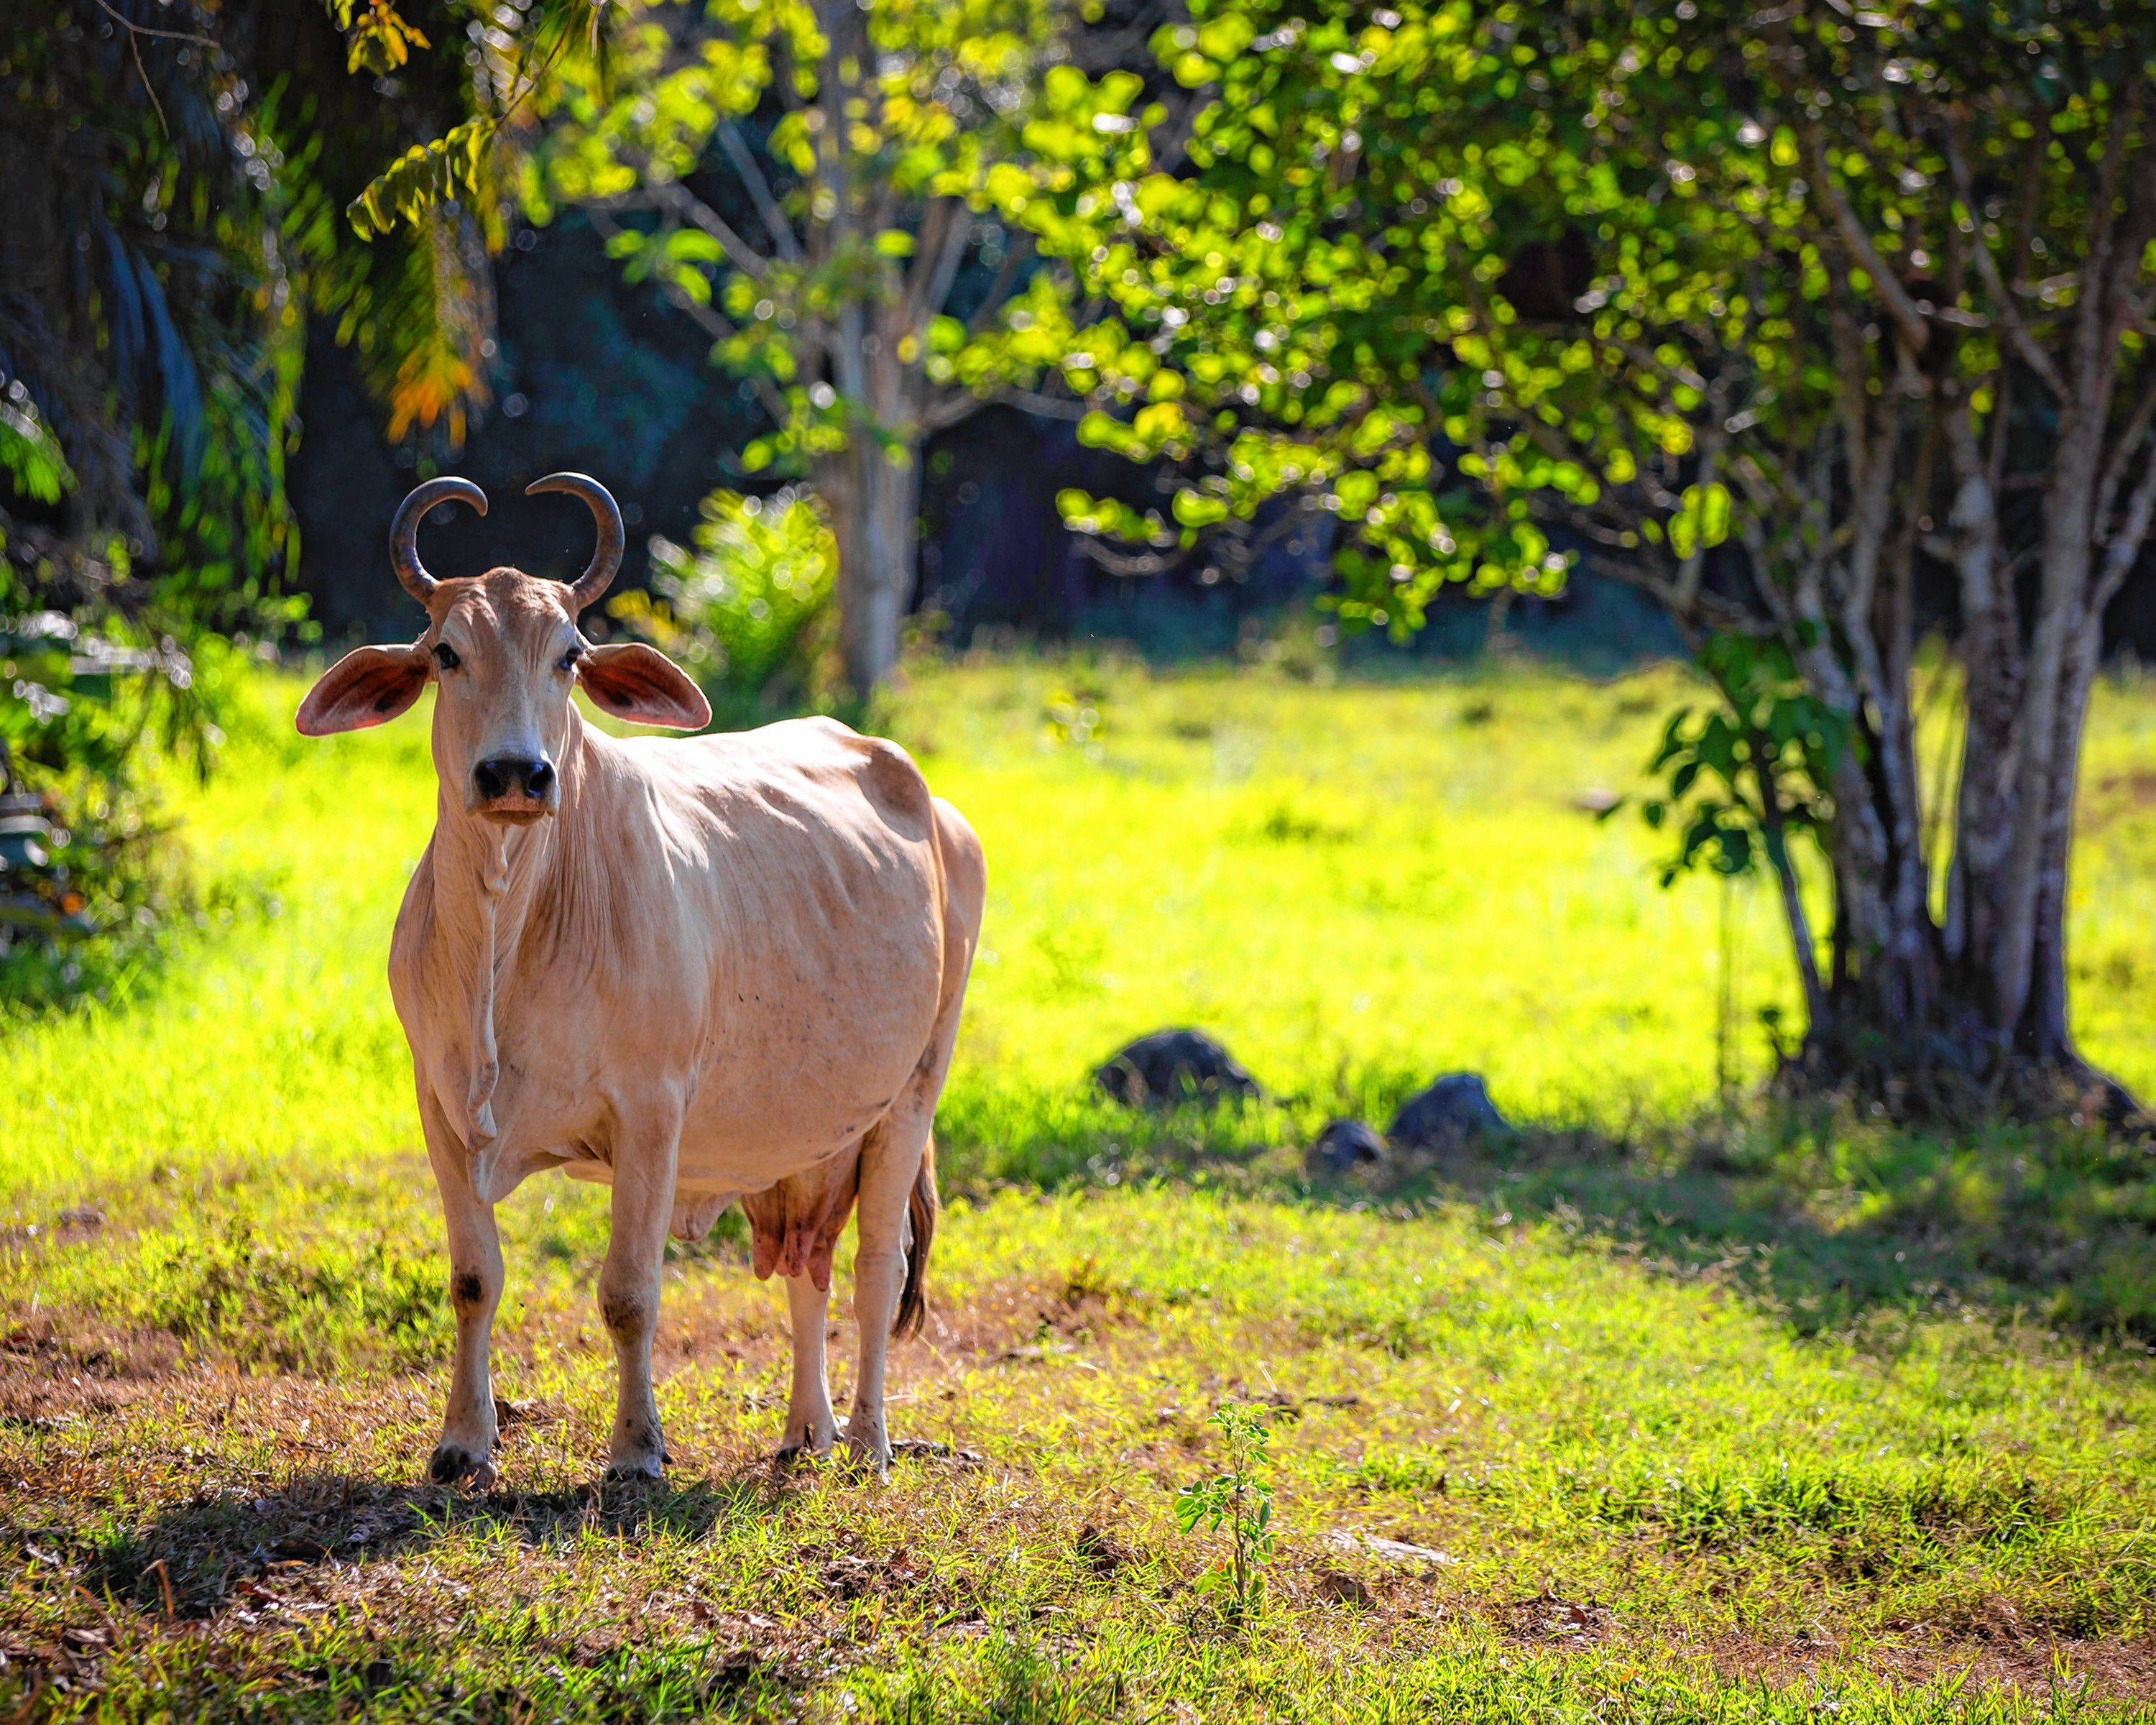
[(369, 686), (643, 685)]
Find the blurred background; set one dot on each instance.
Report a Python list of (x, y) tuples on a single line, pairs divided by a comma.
[(1204, 335)]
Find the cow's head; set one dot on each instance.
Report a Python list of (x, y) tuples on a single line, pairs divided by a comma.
[(505, 648)]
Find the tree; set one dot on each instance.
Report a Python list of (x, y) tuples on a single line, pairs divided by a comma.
[(1824, 331), (175, 217), (848, 198), (172, 214)]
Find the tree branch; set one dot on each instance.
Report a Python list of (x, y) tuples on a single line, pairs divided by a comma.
[(1987, 266), (2124, 549), (1916, 330), (937, 266), (679, 200), (775, 223), (1126, 564), (2121, 458), (136, 30), (959, 405)]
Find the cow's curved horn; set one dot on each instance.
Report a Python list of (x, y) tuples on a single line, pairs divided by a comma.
[(606, 557), (404, 531)]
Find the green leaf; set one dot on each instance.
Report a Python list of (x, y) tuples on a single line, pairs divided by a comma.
[(1193, 511), (423, 176)]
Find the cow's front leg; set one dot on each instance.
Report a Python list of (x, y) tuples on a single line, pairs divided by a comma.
[(890, 1161), (466, 1449), (810, 1424), (643, 1164)]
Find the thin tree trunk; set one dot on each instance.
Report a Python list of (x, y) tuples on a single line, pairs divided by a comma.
[(2044, 1031), (873, 497), (1991, 662), (2036, 744), (1818, 1010)]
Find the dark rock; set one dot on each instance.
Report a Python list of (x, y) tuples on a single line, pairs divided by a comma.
[(1338, 1587), (1343, 1146), (1453, 1111), (1103, 1554), (1174, 1067)]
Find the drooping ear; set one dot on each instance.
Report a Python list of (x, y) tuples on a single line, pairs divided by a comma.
[(643, 685), (369, 686)]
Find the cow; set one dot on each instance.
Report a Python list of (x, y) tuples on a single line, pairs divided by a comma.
[(702, 971)]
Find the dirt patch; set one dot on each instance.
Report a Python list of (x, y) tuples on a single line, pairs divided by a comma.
[(2109, 1671), (1549, 1619)]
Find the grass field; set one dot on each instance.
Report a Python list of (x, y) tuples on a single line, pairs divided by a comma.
[(1671, 1412)]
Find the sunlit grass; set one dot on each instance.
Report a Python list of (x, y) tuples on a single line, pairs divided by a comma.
[(1650, 1499), (1712, 1419), (1355, 888)]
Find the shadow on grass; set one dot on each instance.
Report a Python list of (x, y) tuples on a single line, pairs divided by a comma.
[(1836, 1221), (1839, 1226), (197, 1560)]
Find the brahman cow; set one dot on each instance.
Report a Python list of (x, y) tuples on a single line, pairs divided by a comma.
[(702, 971)]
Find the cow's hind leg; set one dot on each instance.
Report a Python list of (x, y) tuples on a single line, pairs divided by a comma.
[(810, 1424), (893, 1158), (897, 1213), (644, 1155), (466, 1449)]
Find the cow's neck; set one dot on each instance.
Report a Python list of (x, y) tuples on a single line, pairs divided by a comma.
[(487, 878)]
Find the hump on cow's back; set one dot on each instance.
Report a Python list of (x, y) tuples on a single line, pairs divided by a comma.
[(887, 776)]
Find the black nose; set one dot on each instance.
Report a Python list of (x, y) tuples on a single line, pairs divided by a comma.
[(510, 775)]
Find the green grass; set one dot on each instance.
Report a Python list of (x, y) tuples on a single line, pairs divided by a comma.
[(1712, 1416)]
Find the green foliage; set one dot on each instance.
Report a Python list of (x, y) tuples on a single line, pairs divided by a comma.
[(1494, 285), (424, 176), (36, 465), (148, 395), (1770, 738), (930, 139), (93, 709), (1316, 304), (65, 751), (523, 52), (379, 38), (148, 390), (749, 613), (1239, 1500)]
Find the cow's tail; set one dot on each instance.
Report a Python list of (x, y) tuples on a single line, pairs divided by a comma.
[(921, 1204)]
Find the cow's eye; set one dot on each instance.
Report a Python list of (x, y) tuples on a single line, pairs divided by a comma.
[(570, 658), (445, 656)]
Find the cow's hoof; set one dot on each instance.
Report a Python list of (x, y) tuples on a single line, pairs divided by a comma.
[(869, 1454), (805, 1442), (645, 1470), (453, 1462), (801, 1450)]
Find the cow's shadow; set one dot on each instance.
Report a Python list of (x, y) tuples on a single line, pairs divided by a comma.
[(197, 1559)]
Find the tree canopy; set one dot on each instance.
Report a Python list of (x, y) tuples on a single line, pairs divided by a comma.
[(848, 201), (1498, 285)]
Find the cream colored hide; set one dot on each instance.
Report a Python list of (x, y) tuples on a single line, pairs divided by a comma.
[(702, 971)]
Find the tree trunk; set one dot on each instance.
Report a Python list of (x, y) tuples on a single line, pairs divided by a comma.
[(873, 493), (2044, 1034), (1902, 1016)]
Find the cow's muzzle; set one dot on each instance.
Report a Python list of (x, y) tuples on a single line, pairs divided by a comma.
[(514, 788)]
